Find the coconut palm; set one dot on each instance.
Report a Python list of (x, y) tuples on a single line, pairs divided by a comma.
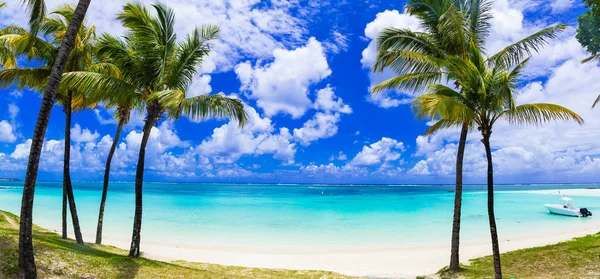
[(159, 70), (487, 94), (20, 42), (450, 27), (26, 267), (122, 114)]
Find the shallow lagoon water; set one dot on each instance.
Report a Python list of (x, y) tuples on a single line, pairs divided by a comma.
[(303, 217)]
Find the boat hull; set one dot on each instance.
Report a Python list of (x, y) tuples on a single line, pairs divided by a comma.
[(561, 210)]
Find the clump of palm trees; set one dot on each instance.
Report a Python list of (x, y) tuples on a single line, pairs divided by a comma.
[(148, 69), (450, 49)]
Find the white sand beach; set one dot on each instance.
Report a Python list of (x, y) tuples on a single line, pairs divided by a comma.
[(406, 262), (391, 262)]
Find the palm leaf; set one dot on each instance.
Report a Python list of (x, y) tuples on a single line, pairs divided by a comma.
[(514, 53), (409, 82), (592, 58), (536, 114)]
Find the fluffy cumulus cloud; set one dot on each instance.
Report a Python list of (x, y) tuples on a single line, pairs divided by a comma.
[(385, 150), (229, 142), (283, 86), (7, 133), (385, 19)]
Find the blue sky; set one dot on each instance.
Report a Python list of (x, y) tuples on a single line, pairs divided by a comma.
[(302, 68)]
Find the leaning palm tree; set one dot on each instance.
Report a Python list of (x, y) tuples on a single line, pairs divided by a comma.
[(122, 114), (159, 70), (22, 43), (487, 94), (26, 267), (450, 27)]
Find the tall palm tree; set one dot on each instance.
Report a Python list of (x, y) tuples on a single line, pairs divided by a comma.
[(26, 268), (487, 94), (160, 70), (21, 42), (123, 111), (450, 27)]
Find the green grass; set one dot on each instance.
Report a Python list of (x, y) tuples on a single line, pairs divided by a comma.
[(577, 258), (59, 258)]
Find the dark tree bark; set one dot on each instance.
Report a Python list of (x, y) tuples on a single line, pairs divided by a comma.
[(113, 147), (153, 114), (26, 268), (454, 251), (67, 186), (491, 215), (64, 209)]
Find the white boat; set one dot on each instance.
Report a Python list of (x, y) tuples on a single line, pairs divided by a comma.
[(567, 208)]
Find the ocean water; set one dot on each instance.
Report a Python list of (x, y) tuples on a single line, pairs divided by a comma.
[(304, 217)]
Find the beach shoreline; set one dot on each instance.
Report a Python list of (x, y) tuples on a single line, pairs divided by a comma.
[(406, 262), (387, 259)]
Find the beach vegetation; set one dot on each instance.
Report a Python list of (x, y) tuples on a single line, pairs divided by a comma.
[(159, 70), (37, 14), (60, 258), (448, 28), (486, 94)]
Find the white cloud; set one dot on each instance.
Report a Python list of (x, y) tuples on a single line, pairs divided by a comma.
[(342, 156), (13, 111), (105, 116), (229, 142), (200, 86), (386, 19), (327, 101), (85, 135), (561, 5), (384, 150), (322, 125), (7, 132), (283, 85)]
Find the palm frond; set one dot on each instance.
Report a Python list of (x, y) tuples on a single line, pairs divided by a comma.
[(592, 58), (189, 56), (404, 39), (442, 124), (406, 61), (37, 14), (514, 53), (434, 106), (207, 106), (35, 78), (409, 82), (98, 87), (7, 59), (536, 114), (596, 101)]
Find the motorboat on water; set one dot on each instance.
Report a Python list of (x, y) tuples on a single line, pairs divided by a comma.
[(567, 208)]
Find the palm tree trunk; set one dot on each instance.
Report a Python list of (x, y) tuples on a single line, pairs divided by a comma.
[(26, 268), (134, 251), (454, 250), (491, 215), (64, 209), (67, 186), (113, 147)]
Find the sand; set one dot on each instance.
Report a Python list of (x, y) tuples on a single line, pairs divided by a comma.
[(393, 262)]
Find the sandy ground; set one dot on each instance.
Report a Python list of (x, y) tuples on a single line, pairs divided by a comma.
[(397, 262)]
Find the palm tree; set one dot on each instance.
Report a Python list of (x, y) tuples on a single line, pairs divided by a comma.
[(21, 42), (27, 267), (486, 95), (159, 70), (450, 27), (122, 114)]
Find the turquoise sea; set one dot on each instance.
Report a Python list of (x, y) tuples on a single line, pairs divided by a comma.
[(304, 216)]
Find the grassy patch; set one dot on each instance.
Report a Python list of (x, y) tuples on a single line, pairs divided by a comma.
[(577, 258), (59, 258)]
